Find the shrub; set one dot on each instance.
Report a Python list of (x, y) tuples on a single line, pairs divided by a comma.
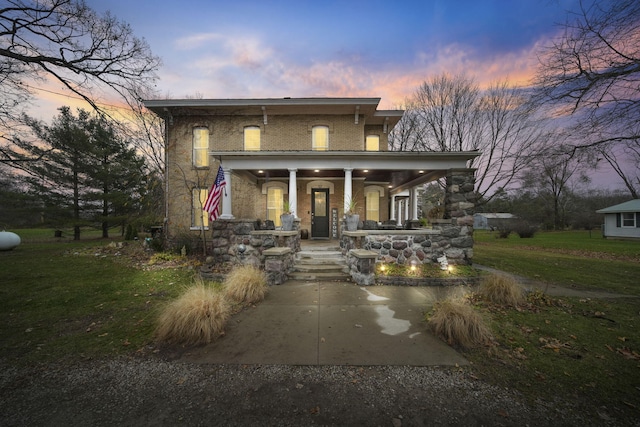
[(197, 317), (502, 290), (524, 229), (457, 323), (245, 285)]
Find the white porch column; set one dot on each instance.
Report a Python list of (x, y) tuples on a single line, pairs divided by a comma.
[(399, 217), (407, 208), (226, 196), (347, 189), (293, 192), (414, 203), (393, 208)]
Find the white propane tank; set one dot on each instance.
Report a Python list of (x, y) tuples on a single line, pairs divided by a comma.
[(8, 240)]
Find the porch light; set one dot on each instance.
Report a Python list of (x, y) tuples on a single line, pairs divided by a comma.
[(366, 170), (316, 170), (421, 171), (260, 171)]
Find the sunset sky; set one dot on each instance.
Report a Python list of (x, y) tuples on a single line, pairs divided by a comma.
[(271, 48)]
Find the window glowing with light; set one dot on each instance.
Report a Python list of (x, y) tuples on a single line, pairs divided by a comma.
[(320, 136), (372, 143), (200, 218), (252, 138), (200, 147), (275, 204), (373, 205)]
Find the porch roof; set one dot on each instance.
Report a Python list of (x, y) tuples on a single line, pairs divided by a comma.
[(398, 170)]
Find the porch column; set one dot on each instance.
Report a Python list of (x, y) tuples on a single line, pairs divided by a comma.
[(293, 192), (347, 189), (414, 203), (226, 196), (400, 213), (393, 207)]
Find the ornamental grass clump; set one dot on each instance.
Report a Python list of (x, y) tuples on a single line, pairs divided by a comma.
[(197, 317), (456, 322), (245, 285), (502, 290)]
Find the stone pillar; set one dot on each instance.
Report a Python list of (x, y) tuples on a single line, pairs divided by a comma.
[(347, 189), (293, 192), (459, 207), (227, 212)]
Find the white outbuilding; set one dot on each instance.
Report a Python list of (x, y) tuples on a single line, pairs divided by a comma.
[(622, 221)]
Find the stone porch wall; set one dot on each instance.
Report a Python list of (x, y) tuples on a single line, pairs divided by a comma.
[(237, 241)]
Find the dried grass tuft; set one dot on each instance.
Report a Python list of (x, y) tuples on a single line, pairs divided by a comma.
[(197, 317), (502, 290), (457, 323), (245, 285)]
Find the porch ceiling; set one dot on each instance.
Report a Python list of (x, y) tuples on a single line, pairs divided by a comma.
[(399, 170)]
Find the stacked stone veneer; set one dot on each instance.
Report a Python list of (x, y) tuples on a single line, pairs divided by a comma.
[(451, 236), (236, 241)]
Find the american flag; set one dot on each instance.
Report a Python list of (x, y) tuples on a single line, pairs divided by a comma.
[(215, 194)]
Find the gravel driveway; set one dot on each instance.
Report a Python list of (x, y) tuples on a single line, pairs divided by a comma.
[(151, 391)]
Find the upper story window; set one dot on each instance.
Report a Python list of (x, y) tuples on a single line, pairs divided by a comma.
[(320, 138), (252, 138), (200, 147), (372, 143)]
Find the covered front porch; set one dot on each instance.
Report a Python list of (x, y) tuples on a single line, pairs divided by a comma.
[(320, 187)]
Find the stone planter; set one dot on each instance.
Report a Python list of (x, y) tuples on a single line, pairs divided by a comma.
[(351, 222), (287, 222)]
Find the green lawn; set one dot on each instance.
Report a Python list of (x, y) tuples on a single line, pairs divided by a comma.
[(580, 349), (579, 259), (81, 299)]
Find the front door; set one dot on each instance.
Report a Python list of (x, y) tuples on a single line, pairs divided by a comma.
[(320, 213)]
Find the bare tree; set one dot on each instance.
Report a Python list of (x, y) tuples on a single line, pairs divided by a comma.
[(592, 73), (66, 42), (453, 114)]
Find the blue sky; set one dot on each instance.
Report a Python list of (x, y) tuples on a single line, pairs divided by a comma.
[(271, 48)]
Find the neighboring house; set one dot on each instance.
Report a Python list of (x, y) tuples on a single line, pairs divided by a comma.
[(490, 221), (622, 220), (314, 153)]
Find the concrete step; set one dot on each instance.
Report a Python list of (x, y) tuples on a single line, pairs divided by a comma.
[(328, 268), (320, 264), (298, 275), (319, 254)]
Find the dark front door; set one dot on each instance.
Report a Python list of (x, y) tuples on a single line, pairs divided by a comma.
[(320, 213)]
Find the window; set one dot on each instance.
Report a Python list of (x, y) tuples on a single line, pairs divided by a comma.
[(373, 205), (275, 204), (320, 138), (628, 219), (200, 218), (200, 147), (252, 138), (372, 143)]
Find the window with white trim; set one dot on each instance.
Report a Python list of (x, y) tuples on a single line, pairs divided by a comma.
[(199, 217), (252, 138), (372, 143), (275, 204), (320, 138), (372, 201), (628, 219), (200, 147)]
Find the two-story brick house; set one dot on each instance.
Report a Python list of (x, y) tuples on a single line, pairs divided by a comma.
[(317, 154)]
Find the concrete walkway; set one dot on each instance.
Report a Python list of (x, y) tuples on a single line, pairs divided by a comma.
[(333, 323)]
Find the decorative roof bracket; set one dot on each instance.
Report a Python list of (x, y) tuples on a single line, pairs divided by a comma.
[(357, 113), (264, 114)]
